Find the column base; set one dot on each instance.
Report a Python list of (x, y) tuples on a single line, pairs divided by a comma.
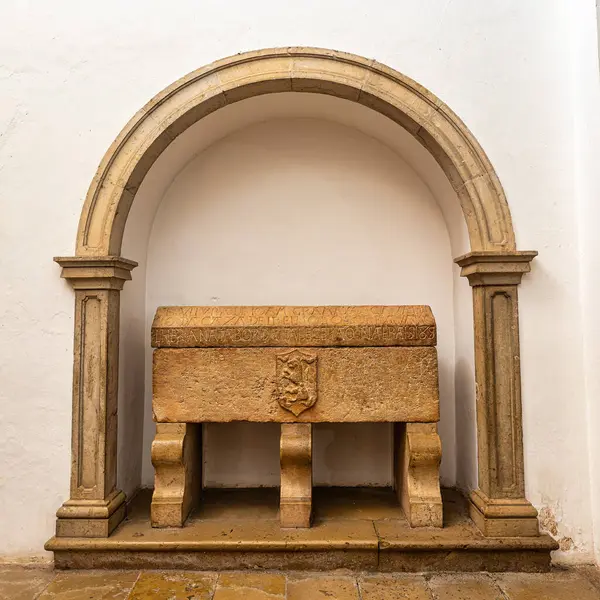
[(503, 517), (91, 518)]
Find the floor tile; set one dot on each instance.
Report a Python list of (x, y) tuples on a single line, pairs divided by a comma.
[(90, 585), (465, 587), (549, 586), (20, 583), (591, 573), (394, 587), (322, 588), (174, 585), (250, 586)]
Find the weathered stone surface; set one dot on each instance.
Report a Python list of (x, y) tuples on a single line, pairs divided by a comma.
[(591, 573), (315, 384), (174, 585), (358, 530), (177, 460), (322, 588), (250, 586), (499, 507), (101, 585), (95, 506), (239, 384), (296, 326), (460, 587), (554, 586), (24, 584), (295, 506), (417, 458), (393, 587), (21, 583)]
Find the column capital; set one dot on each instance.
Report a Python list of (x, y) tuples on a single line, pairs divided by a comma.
[(96, 272), (495, 268)]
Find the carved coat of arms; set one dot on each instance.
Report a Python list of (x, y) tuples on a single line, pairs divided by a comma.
[(296, 382)]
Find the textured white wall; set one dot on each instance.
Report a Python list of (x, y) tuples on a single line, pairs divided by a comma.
[(587, 154), (518, 73)]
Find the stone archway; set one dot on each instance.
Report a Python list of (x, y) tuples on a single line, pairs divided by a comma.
[(494, 268)]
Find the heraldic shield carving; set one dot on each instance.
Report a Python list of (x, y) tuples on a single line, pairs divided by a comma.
[(296, 386)]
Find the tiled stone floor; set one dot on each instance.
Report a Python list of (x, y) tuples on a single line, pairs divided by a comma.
[(19, 583)]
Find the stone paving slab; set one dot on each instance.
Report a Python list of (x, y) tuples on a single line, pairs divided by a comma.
[(19, 583), (387, 587), (93, 584), (552, 585), (459, 587)]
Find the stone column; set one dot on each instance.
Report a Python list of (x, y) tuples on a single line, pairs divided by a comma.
[(95, 506), (295, 507), (498, 506)]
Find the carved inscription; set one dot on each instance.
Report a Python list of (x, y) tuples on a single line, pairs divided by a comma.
[(292, 326), (291, 316), (360, 335), (296, 378)]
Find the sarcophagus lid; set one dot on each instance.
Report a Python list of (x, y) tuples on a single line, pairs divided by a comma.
[(292, 326)]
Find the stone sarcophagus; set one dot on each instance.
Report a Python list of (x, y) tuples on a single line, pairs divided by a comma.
[(295, 366)]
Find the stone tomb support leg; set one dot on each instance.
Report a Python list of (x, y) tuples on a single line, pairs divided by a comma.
[(296, 474), (176, 456), (417, 457)]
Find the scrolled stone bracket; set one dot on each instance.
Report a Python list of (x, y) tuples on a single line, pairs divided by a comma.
[(417, 458), (295, 508), (176, 457), (499, 507), (95, 506)]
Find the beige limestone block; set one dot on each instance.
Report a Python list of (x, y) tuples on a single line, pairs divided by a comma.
[(552, 586), (400, 100), (175, 585), (591, 573), (241, 384), (394, 587), (250, 586), (176, 456), (258, 326), (115, 585), (23, 583), (295, 507), (418, 454), (322, 588), (459, 586)]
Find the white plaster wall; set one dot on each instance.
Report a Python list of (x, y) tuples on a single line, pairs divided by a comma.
[(303, 211), (587, 154), (518, 73)]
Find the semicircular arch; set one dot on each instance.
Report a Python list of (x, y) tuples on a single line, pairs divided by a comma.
[(348, 76)]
